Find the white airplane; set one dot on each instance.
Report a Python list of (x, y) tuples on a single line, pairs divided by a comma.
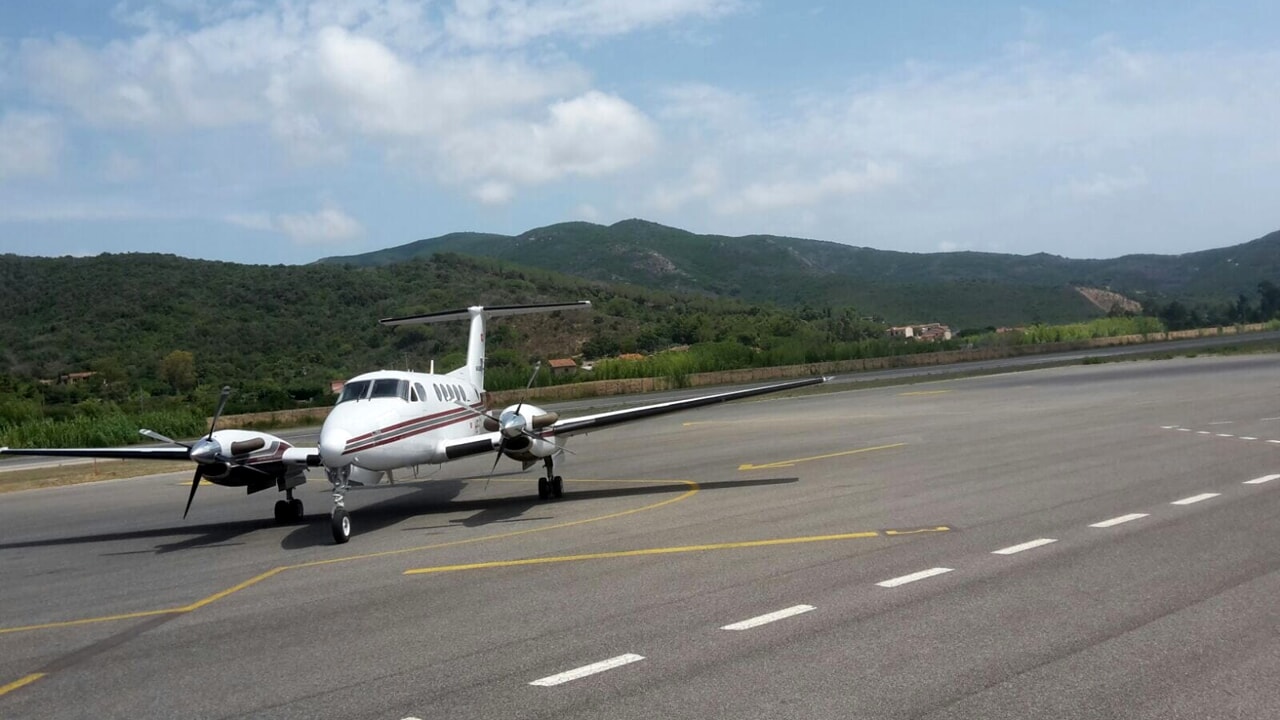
[(391, 420)]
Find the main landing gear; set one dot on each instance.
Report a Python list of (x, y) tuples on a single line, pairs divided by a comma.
[(288, 510), (551, 486)]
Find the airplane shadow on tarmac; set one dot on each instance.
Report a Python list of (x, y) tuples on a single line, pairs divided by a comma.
[(435, 498), (430, 498)]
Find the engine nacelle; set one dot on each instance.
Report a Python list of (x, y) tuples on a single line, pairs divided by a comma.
[(535, 418), (531, 450)]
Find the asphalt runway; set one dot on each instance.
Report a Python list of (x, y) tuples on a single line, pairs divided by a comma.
[(1090, 541)]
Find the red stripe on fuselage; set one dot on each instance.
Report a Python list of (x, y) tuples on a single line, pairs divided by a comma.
[(363, 442)]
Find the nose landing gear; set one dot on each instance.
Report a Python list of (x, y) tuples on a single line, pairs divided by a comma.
[(339, 521)]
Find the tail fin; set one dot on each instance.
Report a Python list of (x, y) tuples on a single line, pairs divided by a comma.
[(474, 370)]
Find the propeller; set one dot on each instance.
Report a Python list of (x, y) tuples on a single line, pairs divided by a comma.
[(207, 451), (511, 425)]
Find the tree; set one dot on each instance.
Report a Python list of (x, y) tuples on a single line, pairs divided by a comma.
[(178, 370), (1269, 300)]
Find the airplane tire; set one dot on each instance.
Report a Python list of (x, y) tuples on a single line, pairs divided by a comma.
[(340, 523), (544, 489), (282, 511), (557, 487), (295, 509)]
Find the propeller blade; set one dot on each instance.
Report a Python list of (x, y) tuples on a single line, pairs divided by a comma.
[(534, 376), (161, 438), (222, 403), (195, 483), (496, 458)]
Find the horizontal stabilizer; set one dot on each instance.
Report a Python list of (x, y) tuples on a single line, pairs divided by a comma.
[(490, 311)]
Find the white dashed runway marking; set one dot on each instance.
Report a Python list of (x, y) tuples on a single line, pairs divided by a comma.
[(1024, 546), (1195, 499), (586, 670), (1263, 479), (895, 582), (1118, 520), (770, 617)]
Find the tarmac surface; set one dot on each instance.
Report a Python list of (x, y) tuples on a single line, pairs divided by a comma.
[(1089, 541)]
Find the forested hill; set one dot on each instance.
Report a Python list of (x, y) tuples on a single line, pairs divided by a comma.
[(963, 288), (300, 327)]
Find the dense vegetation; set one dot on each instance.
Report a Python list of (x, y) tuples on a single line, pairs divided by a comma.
[(162, 334), (1179, 315)]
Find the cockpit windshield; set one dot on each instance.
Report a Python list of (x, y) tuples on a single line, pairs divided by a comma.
[(390, 387), (354, 391)]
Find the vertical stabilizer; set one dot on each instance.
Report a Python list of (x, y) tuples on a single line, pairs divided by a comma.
[(475, 349), (474, 370)]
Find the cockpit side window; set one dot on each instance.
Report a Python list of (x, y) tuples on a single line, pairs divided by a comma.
[(354, 391), (389, 388), (421, 392)]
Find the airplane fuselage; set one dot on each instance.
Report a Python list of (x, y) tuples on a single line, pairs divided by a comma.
[(392, 419)]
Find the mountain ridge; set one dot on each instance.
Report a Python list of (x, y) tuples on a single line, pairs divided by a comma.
[(968, 288)]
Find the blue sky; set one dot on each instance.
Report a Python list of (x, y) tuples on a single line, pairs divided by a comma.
[(281, 132)]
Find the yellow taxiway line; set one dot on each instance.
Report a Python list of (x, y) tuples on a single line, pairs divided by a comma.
[(222, 594), (692, 490), (788, 463), (644, 552), (20, 683)]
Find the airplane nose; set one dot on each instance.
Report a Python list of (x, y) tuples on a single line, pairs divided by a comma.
[(333, 444)]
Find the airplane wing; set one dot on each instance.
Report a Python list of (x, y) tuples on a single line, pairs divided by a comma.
[(289, 456), (152, 453), (587, 423), (488, 442)]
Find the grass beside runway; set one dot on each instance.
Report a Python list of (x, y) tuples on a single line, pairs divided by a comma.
[(83, 472)]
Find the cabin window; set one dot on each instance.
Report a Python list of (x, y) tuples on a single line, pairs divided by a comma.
[(354, 391), (389, 388), (439, 395), (421, 392)]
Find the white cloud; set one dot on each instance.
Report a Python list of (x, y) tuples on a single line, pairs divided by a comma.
[(494, 193), (1103, 185), (588, 136), (801, 192), (513, 23), (703, 180), (252, 221), (30, 145), (328, 226)]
